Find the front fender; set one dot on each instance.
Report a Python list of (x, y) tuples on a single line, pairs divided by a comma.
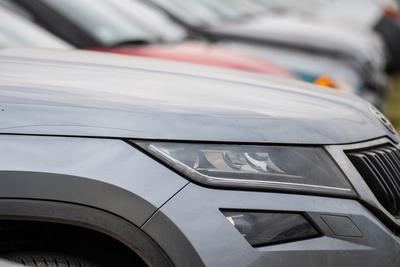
[(107, 174)]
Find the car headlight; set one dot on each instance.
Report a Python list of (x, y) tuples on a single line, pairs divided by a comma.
[(285, 168)]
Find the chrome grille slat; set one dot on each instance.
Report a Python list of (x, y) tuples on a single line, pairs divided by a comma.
[(379, 173), (365, 170), (394, 160), (392, 177), (380, 168), (393, 170), (385, 166)]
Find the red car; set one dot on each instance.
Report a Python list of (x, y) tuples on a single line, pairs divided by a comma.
[(203, 54)]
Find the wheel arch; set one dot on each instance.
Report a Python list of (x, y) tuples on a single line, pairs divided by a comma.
[(89, 218)]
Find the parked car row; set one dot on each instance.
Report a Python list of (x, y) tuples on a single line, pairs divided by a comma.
[(242, 36), (198, 133)]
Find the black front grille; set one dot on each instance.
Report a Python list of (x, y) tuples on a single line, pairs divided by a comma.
[(380, 168)]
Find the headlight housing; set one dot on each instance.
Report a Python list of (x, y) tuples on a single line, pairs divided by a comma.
[(285, 168)]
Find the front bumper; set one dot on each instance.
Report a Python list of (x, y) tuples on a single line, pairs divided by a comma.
[(193, 231)]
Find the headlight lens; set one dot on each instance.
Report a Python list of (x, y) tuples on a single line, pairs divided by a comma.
[(306, 169)]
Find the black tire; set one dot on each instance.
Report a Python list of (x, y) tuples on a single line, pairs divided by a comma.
[(47, 259)]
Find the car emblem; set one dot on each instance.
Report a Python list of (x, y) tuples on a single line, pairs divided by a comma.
[(382, 118)]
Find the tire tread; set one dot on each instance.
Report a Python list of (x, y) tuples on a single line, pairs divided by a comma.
[(47, 259)]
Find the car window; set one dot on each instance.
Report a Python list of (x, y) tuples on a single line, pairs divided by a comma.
[(151, 18), (101, 20), (233, 9), (192, 12), (17, 31), (10, 5), (203, 13)]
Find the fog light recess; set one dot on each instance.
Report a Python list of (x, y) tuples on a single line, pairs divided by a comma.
[(268, 228)]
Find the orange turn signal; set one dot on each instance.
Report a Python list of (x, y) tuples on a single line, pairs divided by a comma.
[(326, 81)]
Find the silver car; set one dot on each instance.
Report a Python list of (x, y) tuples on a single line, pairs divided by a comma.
[(115, 161)]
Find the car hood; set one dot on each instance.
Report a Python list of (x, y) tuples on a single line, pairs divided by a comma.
[(308, 34), (80, 93), (203, 54)]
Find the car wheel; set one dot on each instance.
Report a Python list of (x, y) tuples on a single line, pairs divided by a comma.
[(47, 259)]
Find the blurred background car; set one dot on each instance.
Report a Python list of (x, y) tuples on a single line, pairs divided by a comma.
[(255, 29), (382, 16), (266, 27), (338, 11)]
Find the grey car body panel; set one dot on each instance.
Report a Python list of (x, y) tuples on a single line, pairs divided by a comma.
[(91, 94), (102, 173), (172, 240), (195, 211)]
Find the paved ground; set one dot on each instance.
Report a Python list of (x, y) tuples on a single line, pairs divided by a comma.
[(392, 109)]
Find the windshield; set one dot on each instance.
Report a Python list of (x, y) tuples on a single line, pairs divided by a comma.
[(151, 18), (102, 21), (191, 12), (16, 31), (233, 9), (210, 12), (290, 3)]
